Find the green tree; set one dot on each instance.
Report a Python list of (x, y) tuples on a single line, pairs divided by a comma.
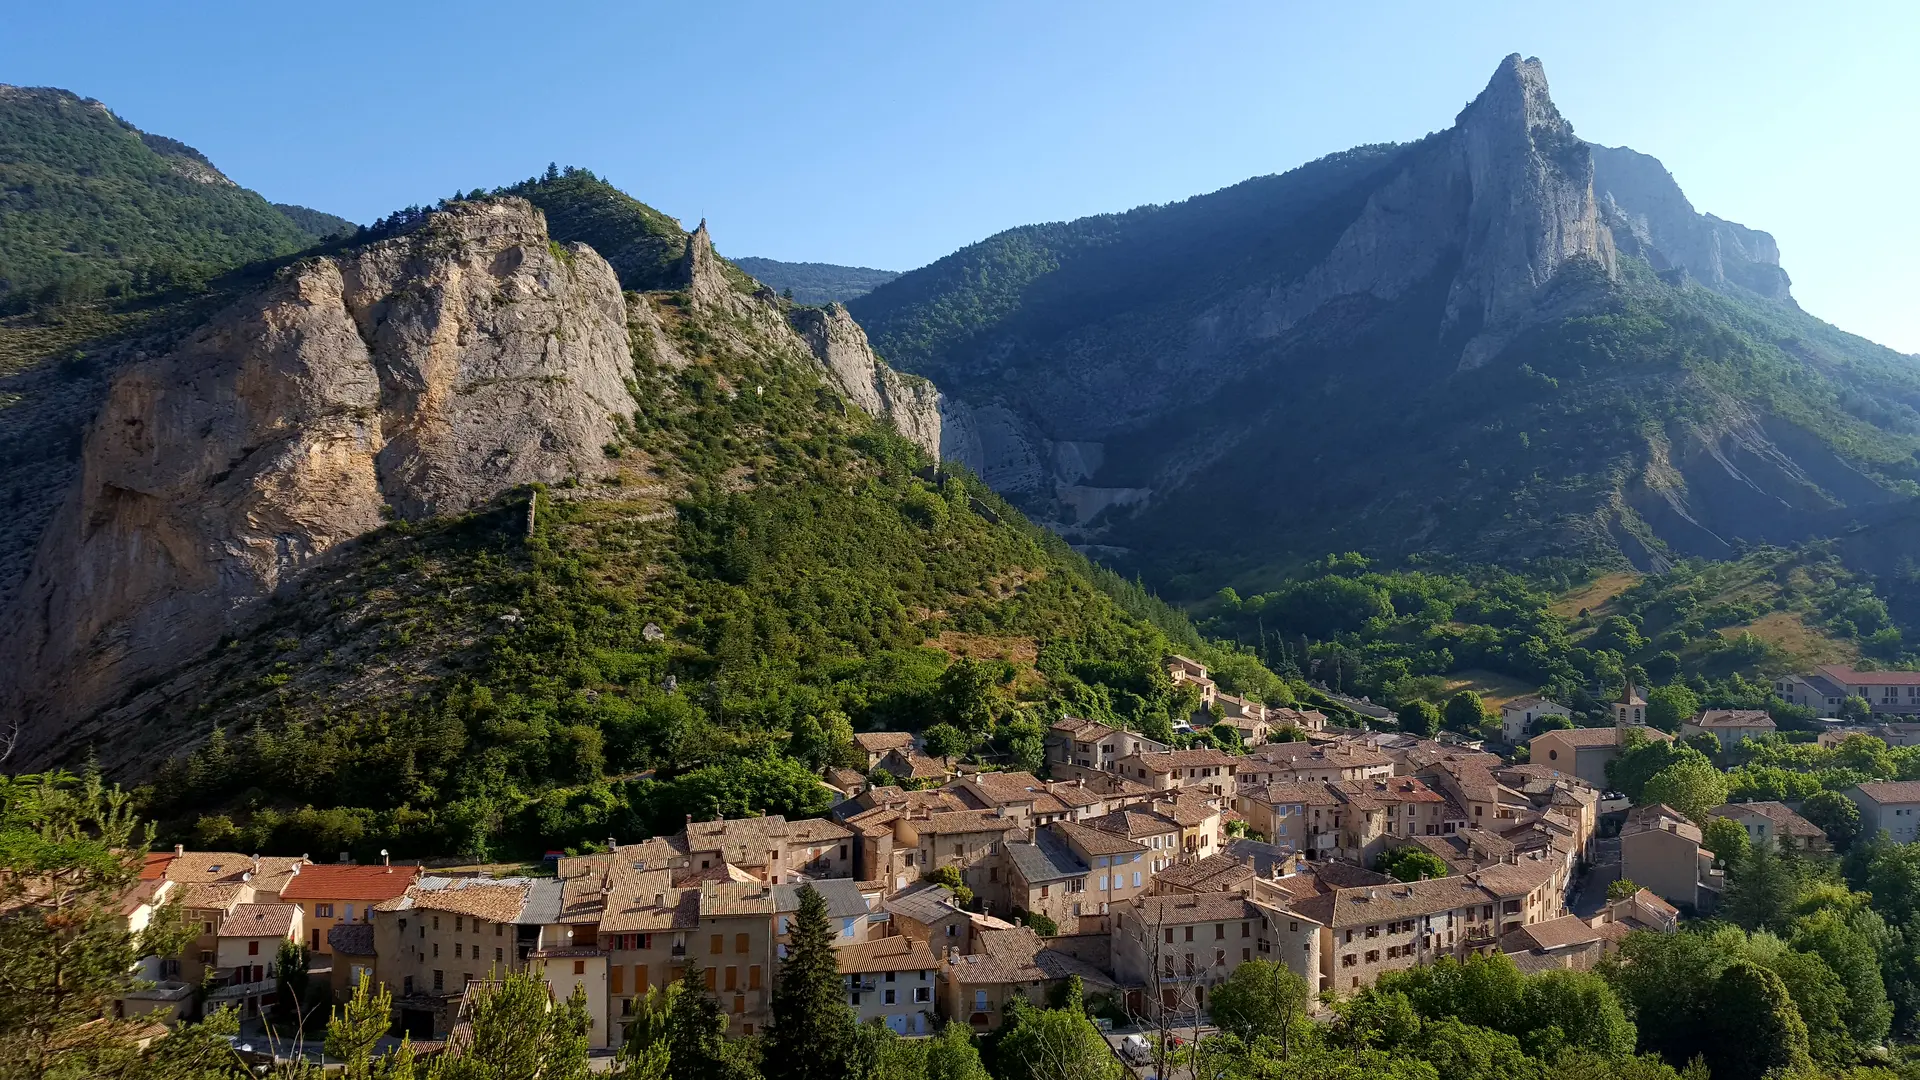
[(519, 1031), (1041, 922), (951, 877), (1629, 772), (1411, 863), (1726, 838), (1261, 999), (1669, 706), (1668, 981), (945, 740), (1762, 890), (292, 985), (1689, 787), (1848, 945), (696, 1035), (1621, 888), (1576, 1009), (1752, 1028), (951, 1055), (1854, 708), (70, 850), (1618, 633), (968, 695), (1052, 1044), (1420, 718), (1837, 816), (358, 1026), (811, 1028), (647, 1050), (1465, 713)]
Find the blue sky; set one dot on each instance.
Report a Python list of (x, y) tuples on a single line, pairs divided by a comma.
[(889, 134)]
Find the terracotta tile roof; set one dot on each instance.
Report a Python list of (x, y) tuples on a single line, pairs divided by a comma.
[(1018, 955), (741, 841), (846, 779), (651, 854), (1659, 818), (1312, 793), (1892, 791), (1563, 932), (478, 897), (1586, 738), (259, 920), (1184, 808), (334, 881), (1215, 873), (1071, 794), (1000, 788), (1082, 730), (1301, 718), (1199, 907), (1735, 718), (879, 742), (1386, 791), (1321, 755), (633, 911), (954, 822), (1389, 903), (154, 866), (1094, 841), (1509, 880), (1847, 676), (1530, 701), (817, 831), (1169, 760), (1650, 899), (351, 939), (1783, 817), (894, 953), (736, 898), (1134, 823)]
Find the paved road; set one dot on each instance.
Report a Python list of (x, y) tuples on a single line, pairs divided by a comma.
[(1145, 1072), (1592, 898)]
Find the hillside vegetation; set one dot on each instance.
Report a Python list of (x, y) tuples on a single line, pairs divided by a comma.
[(768, 571), (91, 207)]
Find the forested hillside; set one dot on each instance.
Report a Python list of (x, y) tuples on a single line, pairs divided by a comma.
[(91, 207), (817, 283)]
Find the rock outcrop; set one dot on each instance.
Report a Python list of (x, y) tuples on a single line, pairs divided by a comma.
[(911, 404), (416, 376), (1651, 217)]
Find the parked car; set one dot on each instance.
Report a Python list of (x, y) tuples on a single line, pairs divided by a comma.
[(1136, 1049)]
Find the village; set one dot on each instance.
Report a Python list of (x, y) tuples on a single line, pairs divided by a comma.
[(1146, 872)]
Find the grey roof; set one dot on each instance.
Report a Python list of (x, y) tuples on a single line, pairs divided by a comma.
[(1265, 856), (1046, 859), (351, 939), (841, 894), (543, 903), (924, 903)]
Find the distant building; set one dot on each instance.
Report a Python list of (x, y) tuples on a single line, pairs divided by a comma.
[(1730, 726), (1775, 823), (1660, 850), (1631, 708), (1518, 716), (1891, 806), (1826, 686), (1585, 752)]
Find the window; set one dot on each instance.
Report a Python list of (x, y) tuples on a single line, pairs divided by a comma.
[(456, 950), (1293, 927), (499, 929), (922, 994), (887, 997), (459, 923), (733, 978), (436, 922), (979, 1001), (436, 948), (1219, 958), (1246, 930), (1136, 879), (1043, 892), (1246, 954), (617, 979), (253, 948), (740, 944), (1373, 955), (1189, 933), (323, 911), (753, 977), (1219, 931), (499, 955), (439, 979), (1103, 883), (739, 1003), (1349, 960), (579, 967), (717, 944)]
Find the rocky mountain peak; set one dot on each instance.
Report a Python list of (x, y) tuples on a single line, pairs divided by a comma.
[(700, 271), (1531, 209)]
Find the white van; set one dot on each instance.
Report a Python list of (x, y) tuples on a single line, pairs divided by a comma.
[(1136, 1049)]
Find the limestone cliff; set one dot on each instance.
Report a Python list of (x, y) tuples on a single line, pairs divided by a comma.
[(1651, 217), (416, 376), (911, 404)]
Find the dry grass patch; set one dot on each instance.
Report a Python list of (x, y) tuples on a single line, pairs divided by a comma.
[(1594, 595), (1803, 644)]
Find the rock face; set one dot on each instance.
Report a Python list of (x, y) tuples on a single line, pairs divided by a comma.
[(911, 404), (1651, 217), (417, 376)]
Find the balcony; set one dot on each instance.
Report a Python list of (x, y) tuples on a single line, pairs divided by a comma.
[(678, 952)]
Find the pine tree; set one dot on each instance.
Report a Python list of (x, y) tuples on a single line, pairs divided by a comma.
[(810, 1035)]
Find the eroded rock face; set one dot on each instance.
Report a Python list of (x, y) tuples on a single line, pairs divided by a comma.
[(1650, 216), (417, 376), (911, 404)]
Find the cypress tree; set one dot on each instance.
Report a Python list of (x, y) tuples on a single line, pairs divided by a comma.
[(811, 1033), (695, 1023)]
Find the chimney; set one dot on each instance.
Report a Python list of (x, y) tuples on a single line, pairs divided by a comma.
[(689, 821), (179, 850), (612, 843)]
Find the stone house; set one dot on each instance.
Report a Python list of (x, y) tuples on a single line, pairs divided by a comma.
[(1091, 745), (1731, 726), (1200, 770), (1585, 752), (1176, 948), (878, 744), (1073, 874), (1302, 817), (891, 981), (248, 945), (1377, 928), (1660, 850), (1775, 823), (1890, 806), (331, 894), (1518, 716), (974, 988), (1303, 763)]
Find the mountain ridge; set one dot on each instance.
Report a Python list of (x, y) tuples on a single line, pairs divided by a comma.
[(1128, 378)]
